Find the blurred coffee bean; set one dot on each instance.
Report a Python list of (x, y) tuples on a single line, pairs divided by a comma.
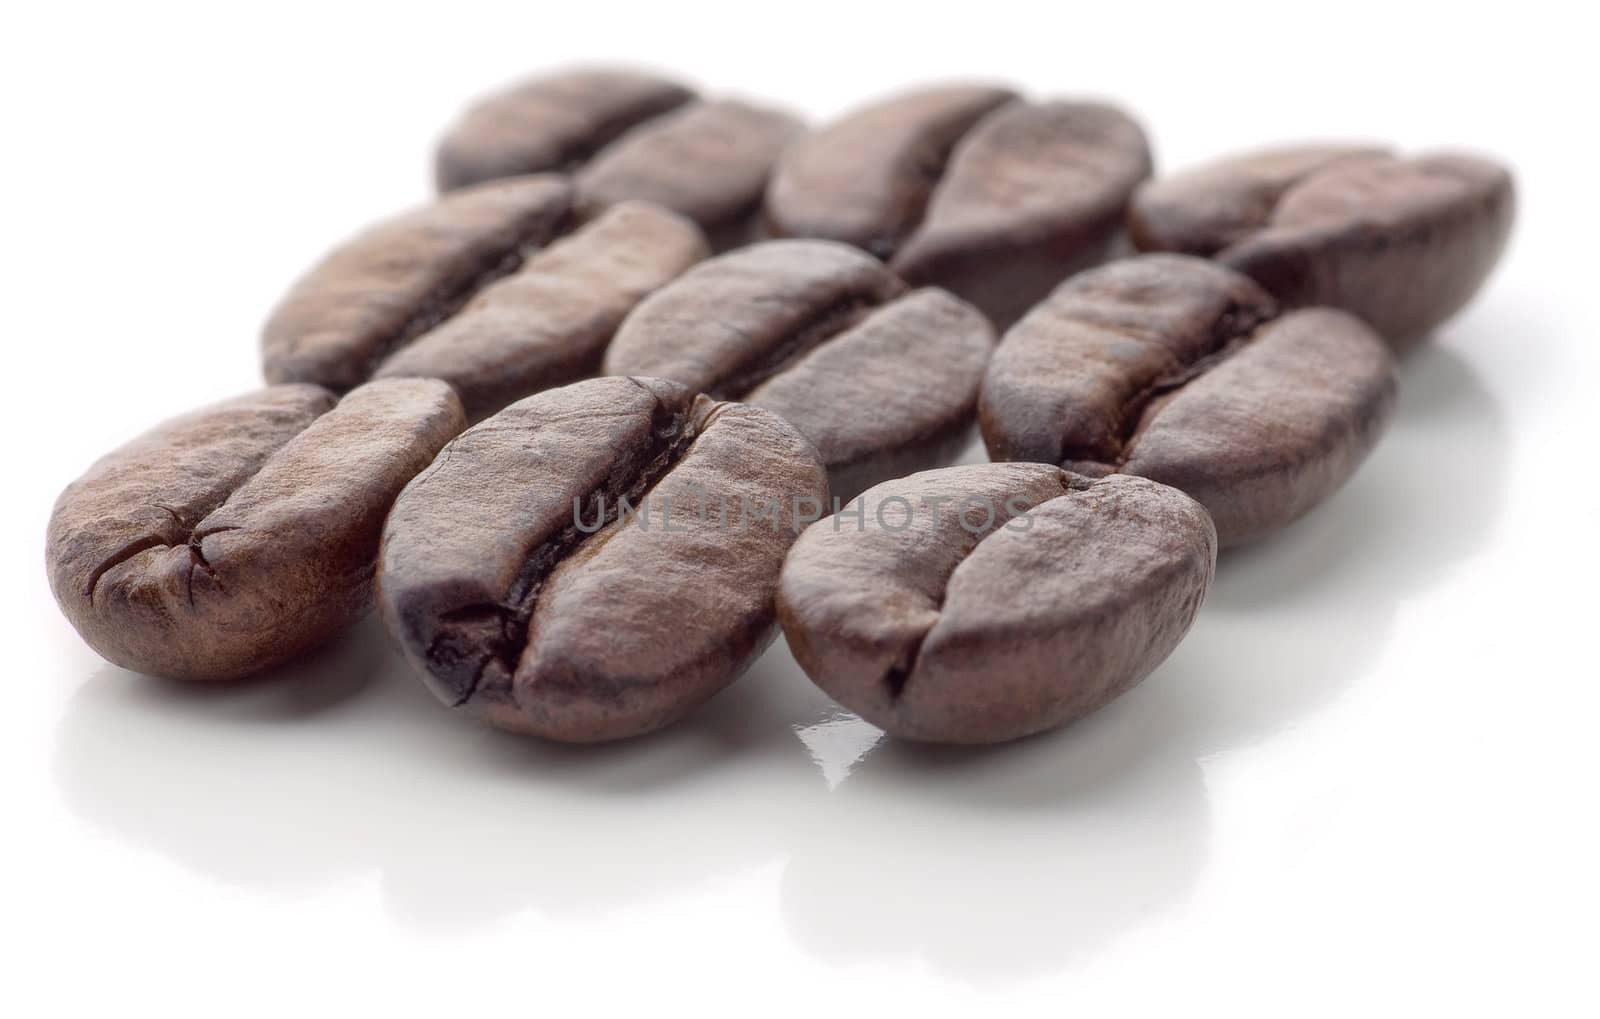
[(1402, 242), (883, 380), (625, 135), (1181, 370), (497, 289), (967, 187)]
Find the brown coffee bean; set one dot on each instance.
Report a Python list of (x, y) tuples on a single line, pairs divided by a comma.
[(867, 178), (709, 161), (983, 603), (1180, 370), (1403, 243), (494, 289), (883, 381), (236, 537), (968, 188), (1203, 210), (626, 136), (591, 563), (551, 123)]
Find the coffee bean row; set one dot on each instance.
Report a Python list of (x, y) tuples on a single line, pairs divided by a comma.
[(564, 424)]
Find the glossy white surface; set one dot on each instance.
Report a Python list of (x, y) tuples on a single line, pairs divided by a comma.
[(1364, 784)]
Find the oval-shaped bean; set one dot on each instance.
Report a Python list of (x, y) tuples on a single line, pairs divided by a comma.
[(236, 537), (1403, 243), (1178, 369), (884, 381), (550, 123), (866, 179), (709, 161), (496, 289), (593, 562), (984, 603), (626, 136), (1201, 211), (967, 187)]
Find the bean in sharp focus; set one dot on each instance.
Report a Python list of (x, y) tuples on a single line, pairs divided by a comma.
[(234, 538), (593, 562)]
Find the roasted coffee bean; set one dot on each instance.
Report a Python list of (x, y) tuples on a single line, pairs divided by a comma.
[(884, 381), (236, 537), (983, 603), (1181, 370), (1403, 243), (493, 289), (968, 188), (625, 136), (594, 561)]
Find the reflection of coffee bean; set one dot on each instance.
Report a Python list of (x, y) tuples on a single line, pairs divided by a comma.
[(524, 592), (982, 603), (966, 187), (882, 381), (232, 539), (625, 136), (1179, 370), (1403, 243), (494, 289)]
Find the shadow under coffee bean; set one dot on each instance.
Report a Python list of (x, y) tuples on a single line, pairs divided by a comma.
[(496, 289), (1180, 370), (593, 562), (883, 380), (236, 537), (967, 187), (1403, 243), (984, 603), (625, 135)]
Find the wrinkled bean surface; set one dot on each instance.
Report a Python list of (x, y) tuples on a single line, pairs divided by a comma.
[(238, 536), (524, 593), (983, 603)]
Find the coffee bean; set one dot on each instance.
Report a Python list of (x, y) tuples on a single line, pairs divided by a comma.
[(1403, 243), (592, 562), (983, 603), (968, 188), (494, 289), (1203, 210), (709, 162), (626, 136), (556, 122), (883, 381), (236, 537), (1181, 370)]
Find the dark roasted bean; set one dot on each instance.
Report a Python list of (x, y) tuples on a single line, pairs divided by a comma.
[(983, 603), (236, 537), (494, 289), (1403, 243), (626, 136), (1180, 370), (969, 188), (528, 595), (883, 381)]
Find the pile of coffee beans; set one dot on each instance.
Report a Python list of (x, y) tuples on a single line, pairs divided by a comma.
[(656, 375)]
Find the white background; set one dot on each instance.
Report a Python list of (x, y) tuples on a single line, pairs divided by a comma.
[(1365, 784)]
